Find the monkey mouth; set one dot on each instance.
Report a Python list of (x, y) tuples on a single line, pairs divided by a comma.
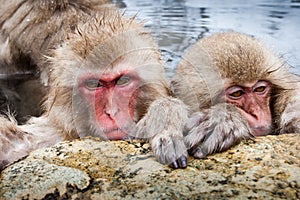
[(261, 130), (109, 130), (258, 126), (115, 134)]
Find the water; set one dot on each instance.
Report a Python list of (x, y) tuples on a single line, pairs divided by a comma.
[(176, 24)]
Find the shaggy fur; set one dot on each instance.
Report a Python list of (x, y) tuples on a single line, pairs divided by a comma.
[(103, 41), (213, 64)]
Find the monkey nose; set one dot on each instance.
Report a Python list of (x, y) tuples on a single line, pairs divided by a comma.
[(256, 111), (111, 111), (254, 114), (253, 110)]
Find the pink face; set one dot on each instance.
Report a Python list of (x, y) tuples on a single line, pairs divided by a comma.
[(111, 97), (252, 100)]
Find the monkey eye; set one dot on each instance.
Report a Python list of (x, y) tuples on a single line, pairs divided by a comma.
[(260, 89), (123, 80), (92, 84), (236, 94)]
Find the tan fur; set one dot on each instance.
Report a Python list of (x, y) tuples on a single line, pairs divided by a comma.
[(34, 26), (28, 29), (108, 42), (102, 38), (224, 59)]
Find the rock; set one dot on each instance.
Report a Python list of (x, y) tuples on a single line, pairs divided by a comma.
[(35, 178), (267, 168)]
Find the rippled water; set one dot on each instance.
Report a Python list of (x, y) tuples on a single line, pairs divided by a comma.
[(179, 23)]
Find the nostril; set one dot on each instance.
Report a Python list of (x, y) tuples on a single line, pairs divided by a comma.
[(254, 115), (108, 113), (111, 112)]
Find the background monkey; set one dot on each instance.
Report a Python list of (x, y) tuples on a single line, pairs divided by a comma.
[(106, 80), (15, 78), (32, 27), (28, 29), (236, 89)]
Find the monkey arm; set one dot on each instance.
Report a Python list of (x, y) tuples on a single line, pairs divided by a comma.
[(215, 129), (163, 125), (17, 141), (14, 144), (290, 117)]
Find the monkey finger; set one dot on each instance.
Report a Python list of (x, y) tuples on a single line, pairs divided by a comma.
[(179, 163), (174, 165), (195, 120), (198, 153), (182, 161), (196, 135)]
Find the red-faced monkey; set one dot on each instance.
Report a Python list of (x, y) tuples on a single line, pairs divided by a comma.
[(235, 89), (106, 80)]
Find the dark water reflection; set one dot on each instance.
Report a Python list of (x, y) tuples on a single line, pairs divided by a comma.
[(179, 23)]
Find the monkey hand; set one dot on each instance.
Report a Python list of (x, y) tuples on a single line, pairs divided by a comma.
[(170, 149), (163, 125), (290, 117), (215, 130)]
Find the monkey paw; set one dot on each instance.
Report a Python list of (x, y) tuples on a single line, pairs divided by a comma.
[(170, 149), (179, 163), (215, 130)]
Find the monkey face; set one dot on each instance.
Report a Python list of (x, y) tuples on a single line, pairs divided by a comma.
[(111, 97), (252, 100), (108, 71)]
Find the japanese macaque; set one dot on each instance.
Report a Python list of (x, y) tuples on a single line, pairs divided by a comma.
[(32, 27), (236, 89), (21, 91), (11, 80), (28, 29), (106, 80), (21, 97)]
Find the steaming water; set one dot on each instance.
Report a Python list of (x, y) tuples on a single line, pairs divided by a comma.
[(177, 24)]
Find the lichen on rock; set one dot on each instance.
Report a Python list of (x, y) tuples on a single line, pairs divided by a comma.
[(34, 178), (267, 168)]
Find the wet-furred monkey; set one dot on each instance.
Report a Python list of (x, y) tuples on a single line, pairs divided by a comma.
[(236, 89), (106, 80), (28, 29)]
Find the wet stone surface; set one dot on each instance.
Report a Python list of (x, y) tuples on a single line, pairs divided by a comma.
[(267, 168)]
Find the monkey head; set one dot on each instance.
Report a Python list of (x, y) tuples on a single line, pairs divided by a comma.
[(118, 74), (250, 73), (237, 69)]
